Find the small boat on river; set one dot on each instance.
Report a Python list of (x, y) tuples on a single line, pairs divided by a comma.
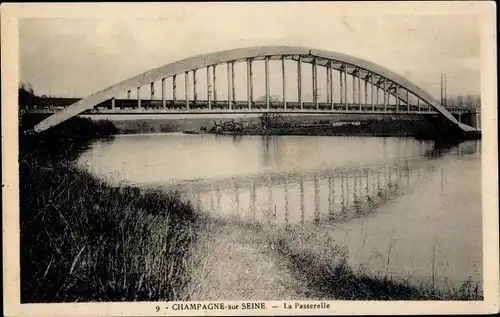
[(191, 132), (197, 131)]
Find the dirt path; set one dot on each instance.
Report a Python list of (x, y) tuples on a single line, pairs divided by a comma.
[(233, 262)]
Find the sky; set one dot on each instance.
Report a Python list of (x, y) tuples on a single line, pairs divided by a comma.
[(77, 56)]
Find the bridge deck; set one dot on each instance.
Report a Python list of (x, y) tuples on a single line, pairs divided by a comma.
[(176, 107)]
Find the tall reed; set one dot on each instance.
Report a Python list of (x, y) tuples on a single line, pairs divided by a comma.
[(82, 240)]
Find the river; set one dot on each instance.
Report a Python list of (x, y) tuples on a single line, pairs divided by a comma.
[(403, 207)]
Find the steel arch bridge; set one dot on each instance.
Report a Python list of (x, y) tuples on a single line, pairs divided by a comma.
[(378, 82)]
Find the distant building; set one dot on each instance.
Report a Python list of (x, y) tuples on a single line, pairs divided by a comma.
[(465, 100)]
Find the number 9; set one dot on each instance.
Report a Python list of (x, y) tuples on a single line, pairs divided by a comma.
[(157, 308)]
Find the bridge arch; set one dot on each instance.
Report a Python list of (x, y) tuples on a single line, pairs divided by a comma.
[(350, 65)]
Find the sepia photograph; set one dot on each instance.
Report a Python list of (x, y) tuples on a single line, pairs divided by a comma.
[(249, 158)]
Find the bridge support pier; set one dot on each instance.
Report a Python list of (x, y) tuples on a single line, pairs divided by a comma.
[(385, 94), (315, 83), (469, 119), (397, 98), (330, 66), (366, 92), (214, 81), (174, 88), (341, 82), (359, 88), (163, 102), (345, 87), (186, 88), (283, 77), (267, 81), (195, 93), (139, 98), (353, 88), (328, 83), (299, 82), (113, 103), (209, 90), (441, 129), (233, 86), (372, 90), (407, 100), (249, 83), (229, 91)]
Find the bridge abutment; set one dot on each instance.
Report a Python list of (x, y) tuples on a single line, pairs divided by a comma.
[(469, 119), (444, 130)]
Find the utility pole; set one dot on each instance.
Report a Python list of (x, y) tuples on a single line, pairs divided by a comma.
[(445, 94), (441, 83)]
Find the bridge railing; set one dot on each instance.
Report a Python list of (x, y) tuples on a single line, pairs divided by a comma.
[(130, 105), (126, 106)]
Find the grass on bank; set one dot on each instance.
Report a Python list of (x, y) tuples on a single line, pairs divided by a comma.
[(82, 240), (322, 264), (310, 263)]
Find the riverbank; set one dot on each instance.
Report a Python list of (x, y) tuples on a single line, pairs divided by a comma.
[(234, 260), (82, 240), (319, 262)]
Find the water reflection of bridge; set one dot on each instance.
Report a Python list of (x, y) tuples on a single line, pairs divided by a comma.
[(287, 198), (291, 198)]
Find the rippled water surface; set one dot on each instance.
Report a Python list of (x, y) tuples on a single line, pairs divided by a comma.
[(402, 207)]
